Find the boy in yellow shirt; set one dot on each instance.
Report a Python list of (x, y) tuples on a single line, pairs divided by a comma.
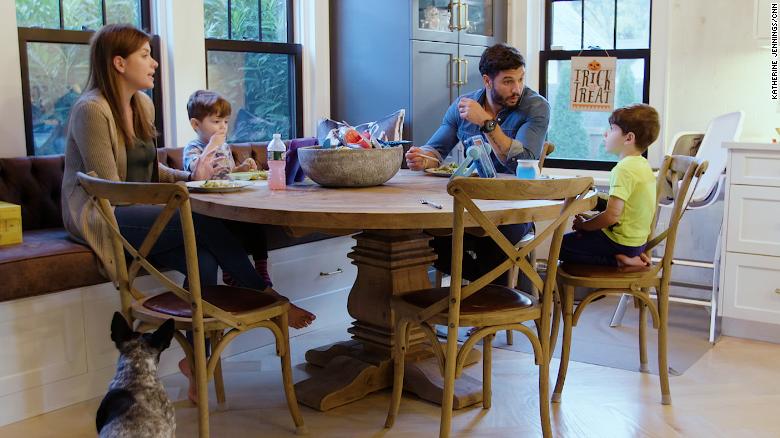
[(617, 236)]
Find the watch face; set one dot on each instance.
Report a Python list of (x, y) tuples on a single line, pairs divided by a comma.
[(488, 126)]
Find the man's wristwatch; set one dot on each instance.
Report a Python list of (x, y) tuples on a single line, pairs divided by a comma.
[(488, 126)]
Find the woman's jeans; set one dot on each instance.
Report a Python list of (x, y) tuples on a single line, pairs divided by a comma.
[(217, 245)]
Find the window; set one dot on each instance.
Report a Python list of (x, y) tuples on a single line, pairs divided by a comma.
[(619, 28), (251, 61), (54, 53)]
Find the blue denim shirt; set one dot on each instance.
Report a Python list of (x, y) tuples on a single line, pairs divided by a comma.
[(526, 124)]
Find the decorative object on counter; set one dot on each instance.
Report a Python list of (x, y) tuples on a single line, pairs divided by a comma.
[(350, 167)]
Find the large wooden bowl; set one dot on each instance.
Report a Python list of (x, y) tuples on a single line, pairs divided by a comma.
[(350, 167)]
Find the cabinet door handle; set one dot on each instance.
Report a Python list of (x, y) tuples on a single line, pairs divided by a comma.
[(328, 274), (465, 79), (454, 6), (456, 64), (463, 18)]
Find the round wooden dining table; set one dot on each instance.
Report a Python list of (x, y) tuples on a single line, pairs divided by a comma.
[(392, 256)]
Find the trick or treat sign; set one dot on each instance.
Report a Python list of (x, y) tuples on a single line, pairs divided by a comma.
[(593, 83)]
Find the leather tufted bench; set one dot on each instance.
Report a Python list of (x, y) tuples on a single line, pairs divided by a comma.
[(48, 261)]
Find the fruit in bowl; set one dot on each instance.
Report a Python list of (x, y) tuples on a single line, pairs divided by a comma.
[(350, 167)]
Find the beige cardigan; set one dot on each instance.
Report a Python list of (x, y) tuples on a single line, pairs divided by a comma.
[(95, 145)]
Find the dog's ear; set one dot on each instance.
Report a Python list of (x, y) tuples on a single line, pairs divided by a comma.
[(120, 330), (161, 338)]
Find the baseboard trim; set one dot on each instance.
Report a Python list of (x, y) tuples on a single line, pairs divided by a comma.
[(742, 328)]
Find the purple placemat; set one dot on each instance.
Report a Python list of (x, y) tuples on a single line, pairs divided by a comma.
[(293, 166)]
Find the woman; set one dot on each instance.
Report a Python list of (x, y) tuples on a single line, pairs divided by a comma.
[(111, 132)]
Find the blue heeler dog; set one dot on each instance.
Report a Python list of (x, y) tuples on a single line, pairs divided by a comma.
[(136, 404)]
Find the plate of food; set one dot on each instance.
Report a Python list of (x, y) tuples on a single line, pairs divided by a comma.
[(446, 170), (248, 176), (217, 186)]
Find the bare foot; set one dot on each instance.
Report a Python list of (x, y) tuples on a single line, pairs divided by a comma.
[(299, 318), (192, 391), (624, 260), (646, 258)]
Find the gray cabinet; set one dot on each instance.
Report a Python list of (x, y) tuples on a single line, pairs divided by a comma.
[(387, 55)]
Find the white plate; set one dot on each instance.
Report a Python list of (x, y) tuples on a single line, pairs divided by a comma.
[(230, 186)]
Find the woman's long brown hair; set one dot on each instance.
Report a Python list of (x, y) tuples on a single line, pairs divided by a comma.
[(110, 41)]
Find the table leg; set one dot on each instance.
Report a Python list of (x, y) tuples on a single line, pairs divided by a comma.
[(390, 263)]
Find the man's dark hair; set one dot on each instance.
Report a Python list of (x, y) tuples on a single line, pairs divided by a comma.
[(641, 119), (498, 58)]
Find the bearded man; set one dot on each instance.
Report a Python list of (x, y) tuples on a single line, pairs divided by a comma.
[(514, 118)]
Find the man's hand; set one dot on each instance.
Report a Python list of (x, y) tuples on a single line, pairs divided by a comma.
[(471, 111), (578, 221), (417, 160), (248, 165)]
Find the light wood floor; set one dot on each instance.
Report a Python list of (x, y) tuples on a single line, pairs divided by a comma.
[(733, 391)]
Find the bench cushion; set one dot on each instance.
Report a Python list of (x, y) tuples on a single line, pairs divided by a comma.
[(47, 261)]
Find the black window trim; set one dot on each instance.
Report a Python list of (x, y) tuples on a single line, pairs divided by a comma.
[(547, 54), (66, 36), (251, 46)]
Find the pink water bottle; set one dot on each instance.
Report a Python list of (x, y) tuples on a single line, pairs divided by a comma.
[(276, 152)]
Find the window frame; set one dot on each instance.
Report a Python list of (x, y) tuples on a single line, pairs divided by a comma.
[(547, 54), (252, 46), (68, 36)]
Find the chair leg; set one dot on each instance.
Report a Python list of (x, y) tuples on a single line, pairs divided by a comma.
[(510, 337), (544, 394), (287, 381), (567, 303), (487, 372), (643, 367), (201, 380), (401, 340), (556, 322), (449, 382), (219, 382), (663, 366)]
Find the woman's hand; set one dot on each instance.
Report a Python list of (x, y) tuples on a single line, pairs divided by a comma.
[(416, 160)]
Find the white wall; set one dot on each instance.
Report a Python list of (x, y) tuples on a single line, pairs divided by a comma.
[(12, 143), (716, 66)]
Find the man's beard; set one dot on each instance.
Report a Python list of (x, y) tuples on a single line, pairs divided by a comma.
[(500, 100)]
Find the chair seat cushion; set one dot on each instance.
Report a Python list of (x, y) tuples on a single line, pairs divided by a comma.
[(491, 298), (46, 261), (588, 271), (227, 298)]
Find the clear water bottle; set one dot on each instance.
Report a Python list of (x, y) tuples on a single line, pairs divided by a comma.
[(276, 153)]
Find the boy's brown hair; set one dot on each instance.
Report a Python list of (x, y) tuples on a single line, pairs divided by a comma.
[(204, 103), (641, 119)]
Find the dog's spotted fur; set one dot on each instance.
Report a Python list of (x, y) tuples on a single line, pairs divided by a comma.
[(136, 404)]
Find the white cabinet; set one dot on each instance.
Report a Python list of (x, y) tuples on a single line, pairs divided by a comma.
[(751, 256)]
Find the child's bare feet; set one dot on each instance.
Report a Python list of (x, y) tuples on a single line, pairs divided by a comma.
[(192, 391), (646, 258), (624, 260), (299, 318)]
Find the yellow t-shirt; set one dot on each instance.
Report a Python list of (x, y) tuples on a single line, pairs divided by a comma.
[(632, 181)]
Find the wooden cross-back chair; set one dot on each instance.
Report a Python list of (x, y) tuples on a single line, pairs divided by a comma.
[(547, 149), (489, 307), (635, 281), (218, 312)]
